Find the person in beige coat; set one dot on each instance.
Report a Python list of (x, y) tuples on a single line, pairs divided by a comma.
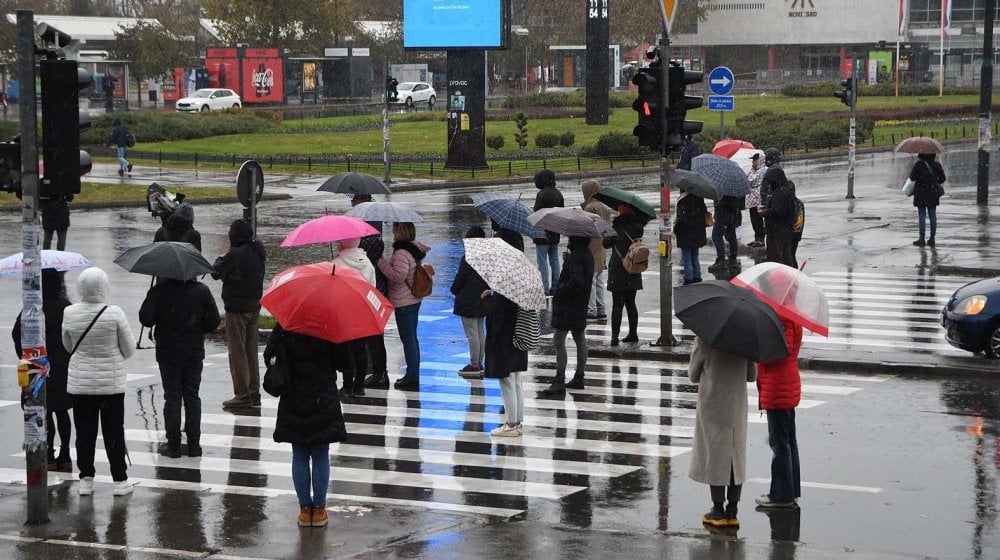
[(719, 456), (596, 311)]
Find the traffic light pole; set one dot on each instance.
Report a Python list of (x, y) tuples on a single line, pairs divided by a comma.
[(852, 134), (667, 337), (32, 321)]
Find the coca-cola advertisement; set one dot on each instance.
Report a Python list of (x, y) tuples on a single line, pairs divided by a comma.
[(263, 76)]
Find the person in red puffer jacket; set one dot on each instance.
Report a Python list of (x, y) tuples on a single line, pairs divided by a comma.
[(780, 388)]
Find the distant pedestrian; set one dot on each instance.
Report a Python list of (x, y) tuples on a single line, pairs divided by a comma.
[(355, 359), (569, 313), (727, 216), (628, 225), (241, 270), (756, 176), (180, 227), (779, 217), (547, 248), (309, 415), (375, 345), (407, 255), (467, 287), (719, 453), (928, 175), (100, 340), (182, 312), (779, 387), (55, 220), (57, 400), (689, 229), (690, 151), (119, 139), (108, 85), (596, 308), (503, 360)]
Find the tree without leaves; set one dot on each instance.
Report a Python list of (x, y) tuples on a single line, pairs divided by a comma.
[(301, 26), (152, 52)]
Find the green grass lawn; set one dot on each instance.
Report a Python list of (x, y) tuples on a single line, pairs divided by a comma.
[(104, 193)]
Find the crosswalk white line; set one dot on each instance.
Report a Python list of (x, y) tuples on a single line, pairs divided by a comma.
[(826, 486)]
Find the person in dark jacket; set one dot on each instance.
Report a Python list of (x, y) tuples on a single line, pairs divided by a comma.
[(374, 247), (57, 400), (182, 312), (309, 415), (55, 220), (119, 139), (623, 286), (779, 216), (689, 229), (727, 217), (690, 151), (180, 227), (467, 288), (241, 270), (547, 248), (569, 312), (927, 174)]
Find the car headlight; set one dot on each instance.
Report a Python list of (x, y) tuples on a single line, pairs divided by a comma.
[(971, 305)]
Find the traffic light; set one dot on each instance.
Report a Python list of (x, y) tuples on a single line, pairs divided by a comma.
[(678, 103), (846, 95), (10, 167), (62, 122), (649, 107), (391, 95)]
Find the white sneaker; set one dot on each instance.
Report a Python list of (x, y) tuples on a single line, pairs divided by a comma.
[(86, 486), (122, 488), (505, 430)]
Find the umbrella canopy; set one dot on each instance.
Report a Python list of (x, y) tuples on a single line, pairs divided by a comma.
[(394, 212), (727, 148), (506, 270), (327, 229), (743, 155), (165, 259), (724, 173), (59, 260), (571, 221), (793, 294), (331, 302), (613, 196), (920, 145), (479, 198), (732, 319), (693, 183), (354, 183), (510, 214)]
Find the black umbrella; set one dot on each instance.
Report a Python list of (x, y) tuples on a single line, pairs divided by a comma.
[(165, 259), (732, 319), (354, 183), (693, 183)]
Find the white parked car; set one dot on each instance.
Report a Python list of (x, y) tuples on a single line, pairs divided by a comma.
[(416, 92), (209, 99)]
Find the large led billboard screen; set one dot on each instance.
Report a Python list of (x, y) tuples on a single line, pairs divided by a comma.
[(455, 24)]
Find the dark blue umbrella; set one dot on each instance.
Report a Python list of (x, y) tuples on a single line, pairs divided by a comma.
[(724, 173), (510, 214)]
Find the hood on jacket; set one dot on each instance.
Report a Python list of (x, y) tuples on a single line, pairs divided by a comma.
[(186, 211), (775, 177), (513, 238), (578, 243), (417, 249), (545, 178), (240, 231), (350, 243), (116, 122), (589, 187), (93, 286)]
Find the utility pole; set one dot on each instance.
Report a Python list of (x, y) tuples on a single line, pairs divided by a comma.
[(985, 98)]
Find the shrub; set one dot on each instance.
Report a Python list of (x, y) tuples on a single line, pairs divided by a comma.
[(547, 140), (567, 139), (826, 89), (615, 144), (9, 129), (561, 99), (521, 136), (495, 142), (767, 129), (151, 126)]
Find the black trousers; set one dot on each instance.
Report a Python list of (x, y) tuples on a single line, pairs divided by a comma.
[(376, 353), (110, 410), (623, 300), (181, 380), (757, 222)]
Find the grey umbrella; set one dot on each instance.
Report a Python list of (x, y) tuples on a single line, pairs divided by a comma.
[(165, 259), (571, 221), (724, 173), (394, 212), (693, 183), (354, 183)]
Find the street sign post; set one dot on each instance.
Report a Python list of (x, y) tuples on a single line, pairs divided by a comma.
[(721, 82)]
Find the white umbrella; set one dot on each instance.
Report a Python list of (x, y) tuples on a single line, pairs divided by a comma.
[(394, 212), (506, 270), (59, 260), (742, 157)]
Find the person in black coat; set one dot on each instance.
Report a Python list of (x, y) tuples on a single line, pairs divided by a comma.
[(55, 220), (467, 288), (569, 312), (779, 217), (181, 312), (57, 400), (927, 174), (374, 247), (628, 225), (547, 248), (309, 415), (727, 217), (689, 229)]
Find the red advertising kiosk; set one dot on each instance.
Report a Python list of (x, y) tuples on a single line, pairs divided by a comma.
[(257, 75)]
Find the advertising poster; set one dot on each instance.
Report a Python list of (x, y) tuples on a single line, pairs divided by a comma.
[(263, 76), (444, 24)]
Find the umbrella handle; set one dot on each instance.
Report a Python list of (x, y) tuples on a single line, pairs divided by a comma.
[(803, 265)]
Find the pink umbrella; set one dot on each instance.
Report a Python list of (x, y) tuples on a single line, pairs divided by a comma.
[(327, 229), (726, 148), (793, 294)]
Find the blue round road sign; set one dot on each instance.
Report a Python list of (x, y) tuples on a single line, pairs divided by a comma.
[(721, 80)]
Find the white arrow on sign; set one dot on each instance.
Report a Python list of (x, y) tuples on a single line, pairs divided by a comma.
[(724, 80)]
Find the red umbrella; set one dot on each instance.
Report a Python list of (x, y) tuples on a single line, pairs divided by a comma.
[(326, 301), (726, 148)]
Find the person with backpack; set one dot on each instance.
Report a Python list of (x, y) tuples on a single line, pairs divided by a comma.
[(467, 287), (400, 269), (622, 283), (119, 139), (927, 175), (779, 217)]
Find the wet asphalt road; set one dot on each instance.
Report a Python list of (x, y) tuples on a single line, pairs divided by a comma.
[(893, 464)]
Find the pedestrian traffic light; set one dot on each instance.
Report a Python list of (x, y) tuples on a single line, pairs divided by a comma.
[(62, 122), (648, 105), (847, 94), (678, 103), (391, 95), (10, 167)]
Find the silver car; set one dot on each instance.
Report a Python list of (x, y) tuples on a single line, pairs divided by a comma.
[(416, 92), (209, 99)]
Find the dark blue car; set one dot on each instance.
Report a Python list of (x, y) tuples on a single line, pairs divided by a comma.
[(971, 318)]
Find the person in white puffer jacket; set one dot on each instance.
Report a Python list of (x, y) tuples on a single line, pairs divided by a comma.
[(96, 379)]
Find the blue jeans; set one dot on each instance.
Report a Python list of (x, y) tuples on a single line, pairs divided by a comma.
[(924, 211), (318, 481), (692, 267), (548, 259), (122, 162), (406, 322), (785, 481)]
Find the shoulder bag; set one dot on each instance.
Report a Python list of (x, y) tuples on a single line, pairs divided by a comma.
[(938, 187), (276, 373), (87, 330)]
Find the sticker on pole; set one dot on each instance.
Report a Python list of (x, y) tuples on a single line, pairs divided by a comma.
[(721, 80)]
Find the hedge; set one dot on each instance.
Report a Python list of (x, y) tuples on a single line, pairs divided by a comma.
[(826, 89), (149, 126)]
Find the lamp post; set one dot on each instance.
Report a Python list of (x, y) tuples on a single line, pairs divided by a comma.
[(523, 32)]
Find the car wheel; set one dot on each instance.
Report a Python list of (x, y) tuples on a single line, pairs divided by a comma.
[(430, 102), (204, 108), (409, 102), (236, 105), (992, 345)]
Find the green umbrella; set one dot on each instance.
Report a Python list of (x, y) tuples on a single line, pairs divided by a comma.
[(612, 196)]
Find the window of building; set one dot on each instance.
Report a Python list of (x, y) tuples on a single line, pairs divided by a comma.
[(962, 11)]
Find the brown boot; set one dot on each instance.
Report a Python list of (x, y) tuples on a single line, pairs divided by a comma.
[(319, 516), (305, 516)]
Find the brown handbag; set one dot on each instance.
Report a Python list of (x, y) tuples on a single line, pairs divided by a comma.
[(709, 219)]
